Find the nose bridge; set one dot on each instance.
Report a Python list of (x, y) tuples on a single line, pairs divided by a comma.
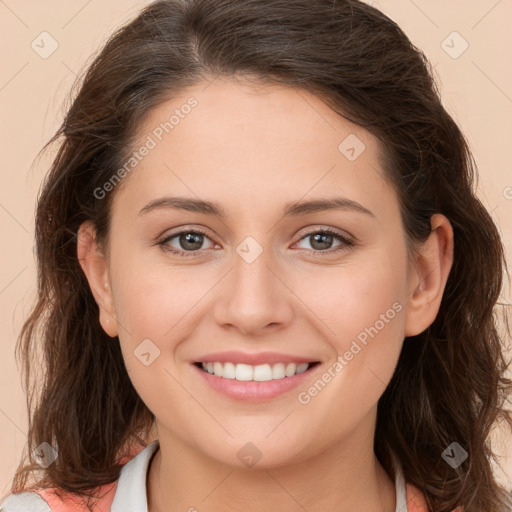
[(256, 257), (253, 296), (252, 264)]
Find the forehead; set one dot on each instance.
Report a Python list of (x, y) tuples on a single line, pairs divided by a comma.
[(248, 145)]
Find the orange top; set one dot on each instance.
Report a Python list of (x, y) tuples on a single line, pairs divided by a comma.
[(416, 501), (71, 503)]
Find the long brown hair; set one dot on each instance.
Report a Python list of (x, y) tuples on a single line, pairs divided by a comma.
[(449, 385)]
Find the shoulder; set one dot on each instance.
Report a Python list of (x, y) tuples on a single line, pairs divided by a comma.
[(416, 501), (27, 501), (57, 500), (51, 500)]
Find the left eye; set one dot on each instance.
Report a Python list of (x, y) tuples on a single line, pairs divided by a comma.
[(326, 237), (191, 242)]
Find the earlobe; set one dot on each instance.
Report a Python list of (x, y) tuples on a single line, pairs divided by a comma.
[(428, 278), (94, 266)]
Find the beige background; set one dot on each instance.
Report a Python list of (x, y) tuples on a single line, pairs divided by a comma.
[(476, 87)]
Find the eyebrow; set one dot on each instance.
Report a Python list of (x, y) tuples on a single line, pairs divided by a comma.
[(292, 209)]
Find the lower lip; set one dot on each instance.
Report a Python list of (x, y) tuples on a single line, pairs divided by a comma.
[(254, 391)]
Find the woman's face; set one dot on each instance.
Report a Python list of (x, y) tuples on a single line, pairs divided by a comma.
[(261, 279)]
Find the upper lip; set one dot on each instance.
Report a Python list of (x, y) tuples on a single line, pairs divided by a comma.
[(253, 359)]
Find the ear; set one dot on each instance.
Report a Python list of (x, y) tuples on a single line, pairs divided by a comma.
[(428, 277), (94, 265)]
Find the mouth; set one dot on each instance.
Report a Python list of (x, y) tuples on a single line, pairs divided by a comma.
[(244, 383), (256, 373)]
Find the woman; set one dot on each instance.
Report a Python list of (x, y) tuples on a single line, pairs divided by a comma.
[(199, 355)]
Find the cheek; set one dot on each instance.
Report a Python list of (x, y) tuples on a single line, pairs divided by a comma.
[(370, 308), (354, 299), (363, 307), (154, 300), (150, 313)]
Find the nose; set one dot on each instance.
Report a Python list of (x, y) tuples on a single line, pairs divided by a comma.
[(253, 296)]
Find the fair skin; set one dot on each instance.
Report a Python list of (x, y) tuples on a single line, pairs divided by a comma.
[(253, 150)]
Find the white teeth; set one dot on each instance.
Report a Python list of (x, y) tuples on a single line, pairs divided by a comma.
[(243, 372), (228, 372), (290, 369), (217, 367), (278, 371), (262, 372), (302, 367)]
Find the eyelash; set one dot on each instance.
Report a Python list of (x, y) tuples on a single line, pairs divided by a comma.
[(346, 242)]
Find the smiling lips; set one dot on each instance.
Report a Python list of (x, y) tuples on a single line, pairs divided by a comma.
[(253, 377), (262, 366)]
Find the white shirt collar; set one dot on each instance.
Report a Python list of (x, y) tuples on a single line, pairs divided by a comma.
[(131, 495), (401, 497)]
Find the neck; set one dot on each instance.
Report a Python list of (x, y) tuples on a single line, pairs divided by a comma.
[(344, 477)]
